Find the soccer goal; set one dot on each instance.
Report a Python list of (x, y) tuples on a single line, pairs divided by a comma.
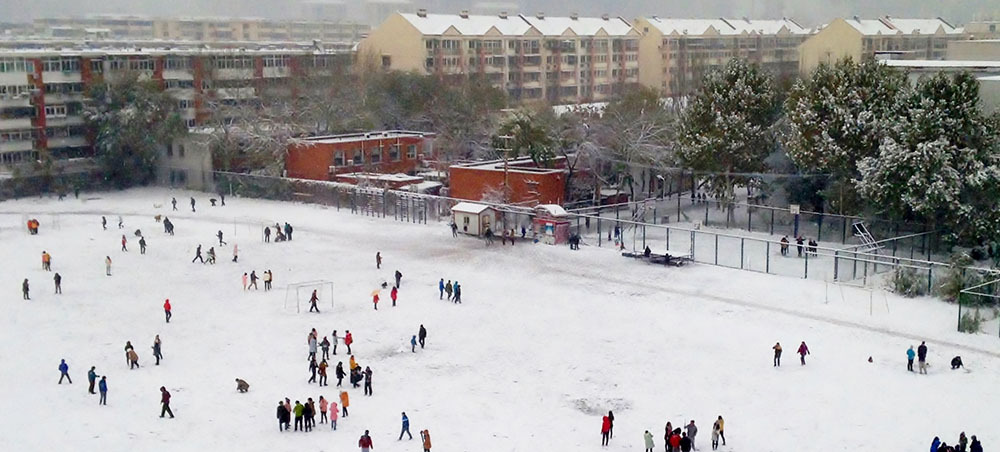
[(297, 295), (250, 227)]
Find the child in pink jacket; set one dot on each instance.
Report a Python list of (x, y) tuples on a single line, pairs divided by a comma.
[(322, 409), (333, 415)]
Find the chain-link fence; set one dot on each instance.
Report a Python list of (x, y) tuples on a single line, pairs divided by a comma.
[(979, 304)]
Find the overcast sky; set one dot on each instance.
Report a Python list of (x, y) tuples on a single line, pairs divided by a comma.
[(807, 12)]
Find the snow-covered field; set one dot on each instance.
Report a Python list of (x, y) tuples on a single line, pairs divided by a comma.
[(546, 341)]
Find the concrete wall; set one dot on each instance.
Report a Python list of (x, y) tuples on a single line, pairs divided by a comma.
[(834, 42), (399, 41), (978, 50)]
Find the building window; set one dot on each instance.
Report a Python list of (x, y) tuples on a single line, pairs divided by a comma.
[(376, 154), (170, 151), (411, 151), (180, 151), (338, 158), (55, 111), (191, 123), (386, 61), (184, 104), (177, 63), (141, 64), (16, 65), (359, 157), (394, 153)]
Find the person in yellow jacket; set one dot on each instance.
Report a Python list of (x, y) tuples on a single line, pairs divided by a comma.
[(720, 425), (425, 435), (345, 401), (46, 261), (354, 364)]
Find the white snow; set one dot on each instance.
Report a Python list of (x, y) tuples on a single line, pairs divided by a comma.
[(546, 341)]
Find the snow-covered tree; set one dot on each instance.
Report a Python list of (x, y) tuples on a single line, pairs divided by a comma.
[(838, 115), (728, 127), (940, 162), (132, 118)]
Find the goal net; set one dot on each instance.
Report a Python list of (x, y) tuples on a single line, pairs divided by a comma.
[(297, 295), (248, 227)]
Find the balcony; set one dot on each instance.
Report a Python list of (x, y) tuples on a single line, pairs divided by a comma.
[(16, 146)]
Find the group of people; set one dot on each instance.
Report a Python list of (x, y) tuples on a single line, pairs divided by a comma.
[(251, 280), (454, 290), (963, 445), (800, 243), (32, 226), (305, 413), (280, 234), (803, 350)]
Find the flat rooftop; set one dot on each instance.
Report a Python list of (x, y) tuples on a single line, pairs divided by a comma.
[(518, 165), (367, 136)]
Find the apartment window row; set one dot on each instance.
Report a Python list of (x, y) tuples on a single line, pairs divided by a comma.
[(15, 90), (276, 61), (16, 65), (55, 111), (179, 84), (16, 157), (375, 155), (445, 62), (232, 62), (184, 104), (177, 63), (65, 132), (17, 135), (63, 88), (61, 65)]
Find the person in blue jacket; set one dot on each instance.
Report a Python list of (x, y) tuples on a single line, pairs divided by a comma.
[(406, 427), (935, 444), (441, 289), (910, 354), (413, 343), (103, 387), (64, 369)]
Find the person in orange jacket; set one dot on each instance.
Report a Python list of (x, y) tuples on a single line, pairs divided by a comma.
[(345, 401), (425, 436), (375, 300), (46, 261)]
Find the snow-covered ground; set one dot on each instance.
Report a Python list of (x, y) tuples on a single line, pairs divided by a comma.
[(546, 341)]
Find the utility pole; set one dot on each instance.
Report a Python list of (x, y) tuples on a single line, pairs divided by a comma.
[(505, 151)]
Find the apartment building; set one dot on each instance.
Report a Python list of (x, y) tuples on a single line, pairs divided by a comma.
[(42, 90), (883, 38), (533, 58), (211, 29), (675, 54)]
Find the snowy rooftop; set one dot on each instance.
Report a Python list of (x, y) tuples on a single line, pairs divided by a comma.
[(943, 64), (580, 26), (892, 26), (471, 25), (397, 177), (518, 165), (357, 137), (469, 207), (554, 210), (724, 26)]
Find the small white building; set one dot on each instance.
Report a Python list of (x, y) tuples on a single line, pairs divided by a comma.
[(472, 218), (187, 162)]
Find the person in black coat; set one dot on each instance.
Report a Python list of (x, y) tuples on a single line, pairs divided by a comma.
[(975, 445), (340, 373), (284, 417), (956, 362), (307, 413), (422, 335)]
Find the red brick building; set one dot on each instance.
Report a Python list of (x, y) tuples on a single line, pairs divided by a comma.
[(526, 182), (387, 152)]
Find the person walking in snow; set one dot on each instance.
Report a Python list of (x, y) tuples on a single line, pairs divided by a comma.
[(611, 427), (166, 310), (142, 245), (454, 229), (313, 344), (168, 226), (335, 341), (325, 345), (378, 259), (312, 302), (605, 430), (236, 253), (368, 381), (803, 351), (192, 204), (133, 359), (267, 234), (245, 278), (124, 241), (322, 373), (406, 428), (448, 289), (648, 440), (92, 379), (339, 373), (46, 261), (309, 413), (313, 367), (399, 278), (458, 294), (165, 401), (58, 280), (345, 401), (102, 386), (64, 372), (441, 289), (107, 265), (720, 425), (784, 246), (25, 289), (375, 299), (922, 357), (299, 410), (425, 438), (691, 431), (211, 255), (333, 415), (283, 415), (393, 294), (413, 344), (365, 443), (323, 405), (421, 336), (128, 346), (348, 340), (777, 354), (104, 223), (219, 235), (157, 352), (268, 278), (197, 255), (715, 436), (910, 354), (253, 279)]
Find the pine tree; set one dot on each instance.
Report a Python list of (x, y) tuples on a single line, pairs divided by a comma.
[(728, 127)]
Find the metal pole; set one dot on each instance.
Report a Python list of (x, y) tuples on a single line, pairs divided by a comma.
[(960, 312), (679, 200), (843, 234), (742, 241), (599, 236), (667, 230), (749, 219), (692, 245), (772, 222), (706, 213), (767, 256), (643, 236), (836, 263), (806, 276), (716, 249)]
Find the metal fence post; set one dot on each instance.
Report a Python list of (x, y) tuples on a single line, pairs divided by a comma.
[(749, 219), (643, 236), (930, 278), (767, 256), (716, 249), (836, 263), (599, 236), (706, 213), (806, 275), (742, 242), (843, 236), (668, 238), (772, 222), (692, 245)]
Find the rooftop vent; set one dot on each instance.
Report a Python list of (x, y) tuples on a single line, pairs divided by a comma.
[(421, 12), (503, 14), (574, 16), (606, 16), (464, 14), (540, 15)]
